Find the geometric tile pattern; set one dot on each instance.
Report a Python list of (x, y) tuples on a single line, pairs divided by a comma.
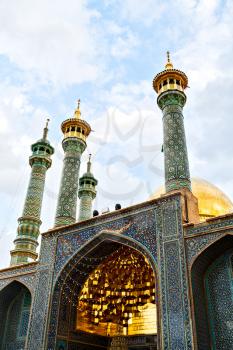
[(175, 308), (175, 150), (39, 311), (218, 285), (86, 193), (138, 225), (148, 228), (196, 244), (156, 227), (85, 205), (29, 224), (32, 206), (213, 225), (23, 274), (14, 337), (67, 198)]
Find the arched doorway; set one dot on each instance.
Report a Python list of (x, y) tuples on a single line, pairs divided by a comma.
[(15, 306), (108, 297), (212, 281)]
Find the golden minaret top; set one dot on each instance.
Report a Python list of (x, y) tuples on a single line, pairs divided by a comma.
[(170, 78), (75, 126), (77, 112), (168, 65)]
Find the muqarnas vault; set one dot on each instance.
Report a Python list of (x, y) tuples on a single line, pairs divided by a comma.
[(156, 275)]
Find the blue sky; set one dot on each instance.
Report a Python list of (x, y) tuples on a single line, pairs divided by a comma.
[(107, 53)]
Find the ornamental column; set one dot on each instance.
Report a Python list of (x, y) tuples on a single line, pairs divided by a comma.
[(86, 193), (170, 85), (29, 224), (75, 131)]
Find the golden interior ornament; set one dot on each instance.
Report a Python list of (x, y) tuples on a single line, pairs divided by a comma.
[(119, 297)]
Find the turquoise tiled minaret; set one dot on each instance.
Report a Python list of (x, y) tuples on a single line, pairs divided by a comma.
[(29, 224), (170, 85), (86, 193), (75, 132)]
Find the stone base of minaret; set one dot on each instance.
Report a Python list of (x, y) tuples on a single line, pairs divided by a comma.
[(190, 212), (189, 203)]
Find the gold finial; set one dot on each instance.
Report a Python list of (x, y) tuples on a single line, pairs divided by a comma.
[(47, 122), (45, 133), (77, 112), (168, 65), (89, 164)]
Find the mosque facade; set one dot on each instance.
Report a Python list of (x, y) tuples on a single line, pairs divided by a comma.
[(156, 275)]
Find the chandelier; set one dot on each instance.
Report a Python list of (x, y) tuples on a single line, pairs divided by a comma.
[(116, 295)]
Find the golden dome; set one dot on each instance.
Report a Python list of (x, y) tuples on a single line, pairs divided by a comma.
[(212, 201)]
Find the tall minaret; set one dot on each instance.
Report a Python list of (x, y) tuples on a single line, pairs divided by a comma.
[(86, 193), (29, 224), (75, 132), (170, 85)]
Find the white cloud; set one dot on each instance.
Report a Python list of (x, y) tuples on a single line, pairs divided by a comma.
[(53, 40), (65, 48), (124, 45), (127, 145), (19, 121), (129, 96), (206, 54), (146, 11)]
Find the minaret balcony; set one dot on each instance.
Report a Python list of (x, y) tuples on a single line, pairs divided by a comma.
[(76, 134), (170, 86)]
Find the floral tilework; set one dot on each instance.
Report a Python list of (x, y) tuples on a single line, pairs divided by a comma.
[(25, 275), (209, 226), (156, 227), (196, 244), (139, 226)]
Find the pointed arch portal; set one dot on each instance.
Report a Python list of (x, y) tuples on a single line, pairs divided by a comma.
[(107, 293), (212, 281), (15, 306)]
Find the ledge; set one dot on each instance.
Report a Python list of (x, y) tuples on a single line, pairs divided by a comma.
[(18, 267), (111, 214)]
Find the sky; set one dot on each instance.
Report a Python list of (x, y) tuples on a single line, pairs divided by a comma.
[(107, 53)]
